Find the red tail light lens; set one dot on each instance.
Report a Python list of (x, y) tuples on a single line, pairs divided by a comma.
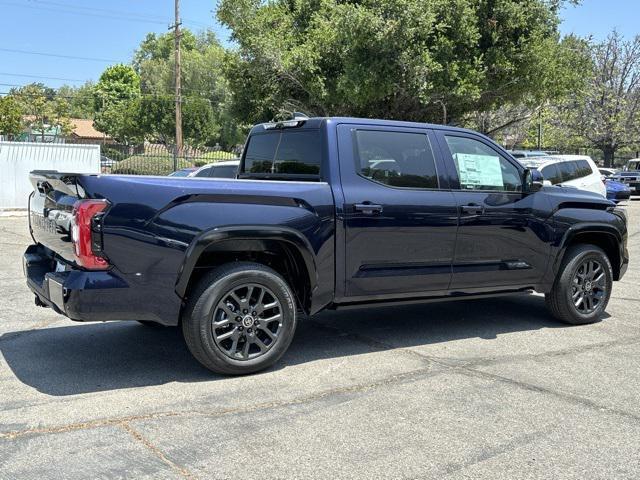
[(86, 234)]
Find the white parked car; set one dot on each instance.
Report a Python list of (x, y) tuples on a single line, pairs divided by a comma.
[(578, 171), (227, 169)]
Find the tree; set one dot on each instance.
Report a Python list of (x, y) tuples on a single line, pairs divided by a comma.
[(205, 90), (10, 117), (607, 112), (80, 99), (117, 101), (35, 101), (435, 60)]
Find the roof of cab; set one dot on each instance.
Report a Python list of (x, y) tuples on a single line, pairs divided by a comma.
[(318, 122)]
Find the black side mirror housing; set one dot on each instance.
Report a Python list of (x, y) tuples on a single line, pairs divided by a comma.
[(533, 180)]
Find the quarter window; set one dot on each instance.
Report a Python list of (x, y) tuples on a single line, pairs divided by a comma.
[(482, 168), (397, 159)]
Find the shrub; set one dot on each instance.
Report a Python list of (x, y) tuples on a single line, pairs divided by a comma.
[(149, 165)]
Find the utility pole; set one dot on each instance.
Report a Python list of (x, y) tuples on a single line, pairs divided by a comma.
[(178, 149)]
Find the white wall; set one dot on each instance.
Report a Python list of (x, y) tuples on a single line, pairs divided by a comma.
[(17, 159)]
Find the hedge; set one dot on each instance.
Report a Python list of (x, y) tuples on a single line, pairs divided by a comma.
[(148, 165)]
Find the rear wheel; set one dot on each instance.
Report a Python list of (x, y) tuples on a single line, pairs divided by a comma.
[(582, 287), (240, 318)]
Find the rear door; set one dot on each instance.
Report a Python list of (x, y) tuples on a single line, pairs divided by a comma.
[(400, 217), (503, 236)]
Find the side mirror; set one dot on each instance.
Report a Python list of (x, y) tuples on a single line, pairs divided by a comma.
[(533, 180)]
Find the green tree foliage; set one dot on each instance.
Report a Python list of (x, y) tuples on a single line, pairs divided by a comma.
[(205, 91), (43, 108), (80, 99), (10, 117), (117, 102), (606, 113), (433, 60)]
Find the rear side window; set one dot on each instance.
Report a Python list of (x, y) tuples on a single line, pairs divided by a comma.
[(205, 172), (397, 159), (282, 153), (226, 171), (568, 171), (584, 169), (551, 173)]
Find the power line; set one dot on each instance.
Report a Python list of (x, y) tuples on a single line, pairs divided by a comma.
[(41, 77), (86, 14), (57, 55), (121, 13), (99, 13)]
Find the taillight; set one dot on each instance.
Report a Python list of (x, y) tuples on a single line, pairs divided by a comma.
[(86, 233)]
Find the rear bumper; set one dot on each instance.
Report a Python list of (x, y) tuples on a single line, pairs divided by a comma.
[(78, 294), (619, 195)]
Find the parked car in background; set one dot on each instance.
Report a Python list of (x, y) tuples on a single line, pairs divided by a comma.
[(227, 169), (106, 163), (630, 175), (327, 213), (527, 153), (575, 171), (183, 172), (617, 191), (608, 172)]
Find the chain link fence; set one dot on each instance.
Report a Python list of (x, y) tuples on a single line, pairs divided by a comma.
[(159, 159)]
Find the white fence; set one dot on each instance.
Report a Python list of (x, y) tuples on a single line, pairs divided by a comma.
[(18, 159)]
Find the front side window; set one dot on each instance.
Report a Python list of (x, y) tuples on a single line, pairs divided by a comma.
[(482, 168), (284, 152), (397, 159)]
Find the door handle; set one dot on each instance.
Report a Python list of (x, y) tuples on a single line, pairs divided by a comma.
[(368, 208), (472, 209)]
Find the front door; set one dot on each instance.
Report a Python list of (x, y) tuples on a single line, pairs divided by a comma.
[(400, 219), (503, 237)]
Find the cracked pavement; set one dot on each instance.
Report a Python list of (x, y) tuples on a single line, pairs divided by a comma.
[(480, 389)]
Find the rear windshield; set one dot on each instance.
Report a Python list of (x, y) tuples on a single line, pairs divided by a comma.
[(283, 154)]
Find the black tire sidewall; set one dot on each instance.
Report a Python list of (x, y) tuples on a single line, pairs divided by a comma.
[(566, 280), (207, 302)]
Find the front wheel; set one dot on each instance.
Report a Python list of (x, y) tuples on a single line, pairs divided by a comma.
[(582, 287), (240, 318)]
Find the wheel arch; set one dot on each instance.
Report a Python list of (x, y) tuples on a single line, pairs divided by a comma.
[(284, 249), (603, 236)]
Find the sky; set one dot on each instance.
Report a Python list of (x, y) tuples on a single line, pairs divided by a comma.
[(103, 33)]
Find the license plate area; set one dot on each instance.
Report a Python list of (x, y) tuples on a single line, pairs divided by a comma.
[(56, 292)]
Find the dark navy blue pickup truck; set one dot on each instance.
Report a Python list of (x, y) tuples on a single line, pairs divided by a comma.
[(325, 213)]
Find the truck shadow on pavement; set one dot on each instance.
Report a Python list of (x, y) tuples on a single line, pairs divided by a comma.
[(82, 358)]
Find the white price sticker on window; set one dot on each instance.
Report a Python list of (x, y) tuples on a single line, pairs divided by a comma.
[(479, 170)]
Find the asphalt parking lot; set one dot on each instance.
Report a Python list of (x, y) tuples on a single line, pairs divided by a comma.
[(480, 389)]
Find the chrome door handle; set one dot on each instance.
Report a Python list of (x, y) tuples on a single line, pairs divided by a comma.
[(472, 209), (368, 208)]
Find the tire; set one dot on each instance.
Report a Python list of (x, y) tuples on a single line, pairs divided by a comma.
[(223, 316), (568, 300)]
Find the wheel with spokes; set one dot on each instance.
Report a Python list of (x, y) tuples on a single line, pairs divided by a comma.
[(582, 287), (240, 318)]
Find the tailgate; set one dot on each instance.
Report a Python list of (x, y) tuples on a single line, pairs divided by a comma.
[(50, 209)]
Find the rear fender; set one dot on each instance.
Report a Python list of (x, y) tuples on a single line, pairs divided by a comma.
[(209, 238)]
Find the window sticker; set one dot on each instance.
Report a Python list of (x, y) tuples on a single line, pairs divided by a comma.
[(479, 170)]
